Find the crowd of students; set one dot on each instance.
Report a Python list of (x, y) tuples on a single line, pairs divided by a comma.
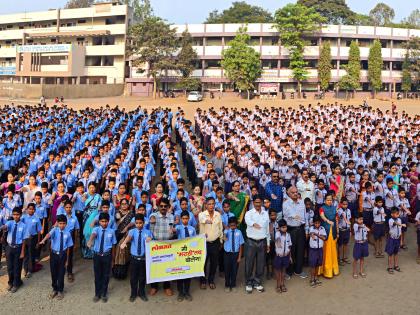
[(279, 188)]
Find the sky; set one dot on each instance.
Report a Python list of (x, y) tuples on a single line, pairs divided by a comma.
[(196, 11)]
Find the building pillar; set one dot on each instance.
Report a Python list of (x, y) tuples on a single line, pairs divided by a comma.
[(42, 80), (390, 89), (87, 80), (77, 80)]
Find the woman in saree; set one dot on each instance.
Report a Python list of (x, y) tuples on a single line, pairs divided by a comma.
[(10, 180), (122, 256), (29, 191), (238, 202), (157, 196), (92, 202), (121, 195), (337, 182), (56, 199), (328, 214), (196, 201)]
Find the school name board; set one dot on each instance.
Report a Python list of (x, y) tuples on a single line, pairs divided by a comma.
[(44, 48), (7, 70), (174, 260)]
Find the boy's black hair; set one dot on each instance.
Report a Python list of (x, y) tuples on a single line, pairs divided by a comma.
[(317, 218), (61, 218), (232, 220), (105, 203), (139, 216), (378, 198), (394, 209), (185, 213), (104, 216), (282, 222), (17, 210)]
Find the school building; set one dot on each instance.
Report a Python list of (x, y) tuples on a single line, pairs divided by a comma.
[(69, 52), (209, 40)]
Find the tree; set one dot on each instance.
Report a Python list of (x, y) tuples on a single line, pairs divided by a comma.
[(324, 66), (351, 81), (142, 9), (186, 60), (382, 14), (406, 80), (294, 22), (413, 50), (375, 66), (152, 44), (75, 4), (240, 12), (334, 11), (413, 20), (361, 19), (241, 62)]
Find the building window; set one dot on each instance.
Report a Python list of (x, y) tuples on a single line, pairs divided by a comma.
[(285, 64), (81, 21)]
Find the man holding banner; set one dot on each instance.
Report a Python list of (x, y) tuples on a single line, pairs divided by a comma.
[(161, 225)]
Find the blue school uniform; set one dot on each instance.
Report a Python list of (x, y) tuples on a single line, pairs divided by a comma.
[(40, 212), (33, 224), (104, 240), (183, 231), (225, 217), (16, 233), (361, 248), (58, 246), (72, 223), (138, 241), (234, 240)]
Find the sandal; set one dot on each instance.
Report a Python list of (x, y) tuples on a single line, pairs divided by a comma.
[(341, 262), (363, 275), (397, 268), (283, 289), (355, 276), (278, 290), (212, 286), (203, 286), (390, 271)]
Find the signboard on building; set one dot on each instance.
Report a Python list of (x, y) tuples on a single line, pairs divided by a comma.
[(7, 70), (44, 48), (268, 87)]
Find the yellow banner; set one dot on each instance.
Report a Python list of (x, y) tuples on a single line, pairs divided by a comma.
[(175, 259)]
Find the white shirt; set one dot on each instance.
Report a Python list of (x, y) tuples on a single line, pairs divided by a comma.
[(306, 189), (261, 218), (294, 212)]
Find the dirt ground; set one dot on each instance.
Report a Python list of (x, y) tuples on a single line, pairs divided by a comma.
[(379, 293)]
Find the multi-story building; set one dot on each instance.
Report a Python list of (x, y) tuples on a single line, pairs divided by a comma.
[(71, 47), (209, 40)]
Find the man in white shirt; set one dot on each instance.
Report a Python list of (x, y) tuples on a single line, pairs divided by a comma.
[(257, 244), (294, 214), (305, 187)]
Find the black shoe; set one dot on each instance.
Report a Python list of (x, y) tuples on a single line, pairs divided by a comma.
[(96, 299), (9, 287), (188, 297), (144, 298), (13, 289), (180, 298), (132, 298), (105, 299)]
